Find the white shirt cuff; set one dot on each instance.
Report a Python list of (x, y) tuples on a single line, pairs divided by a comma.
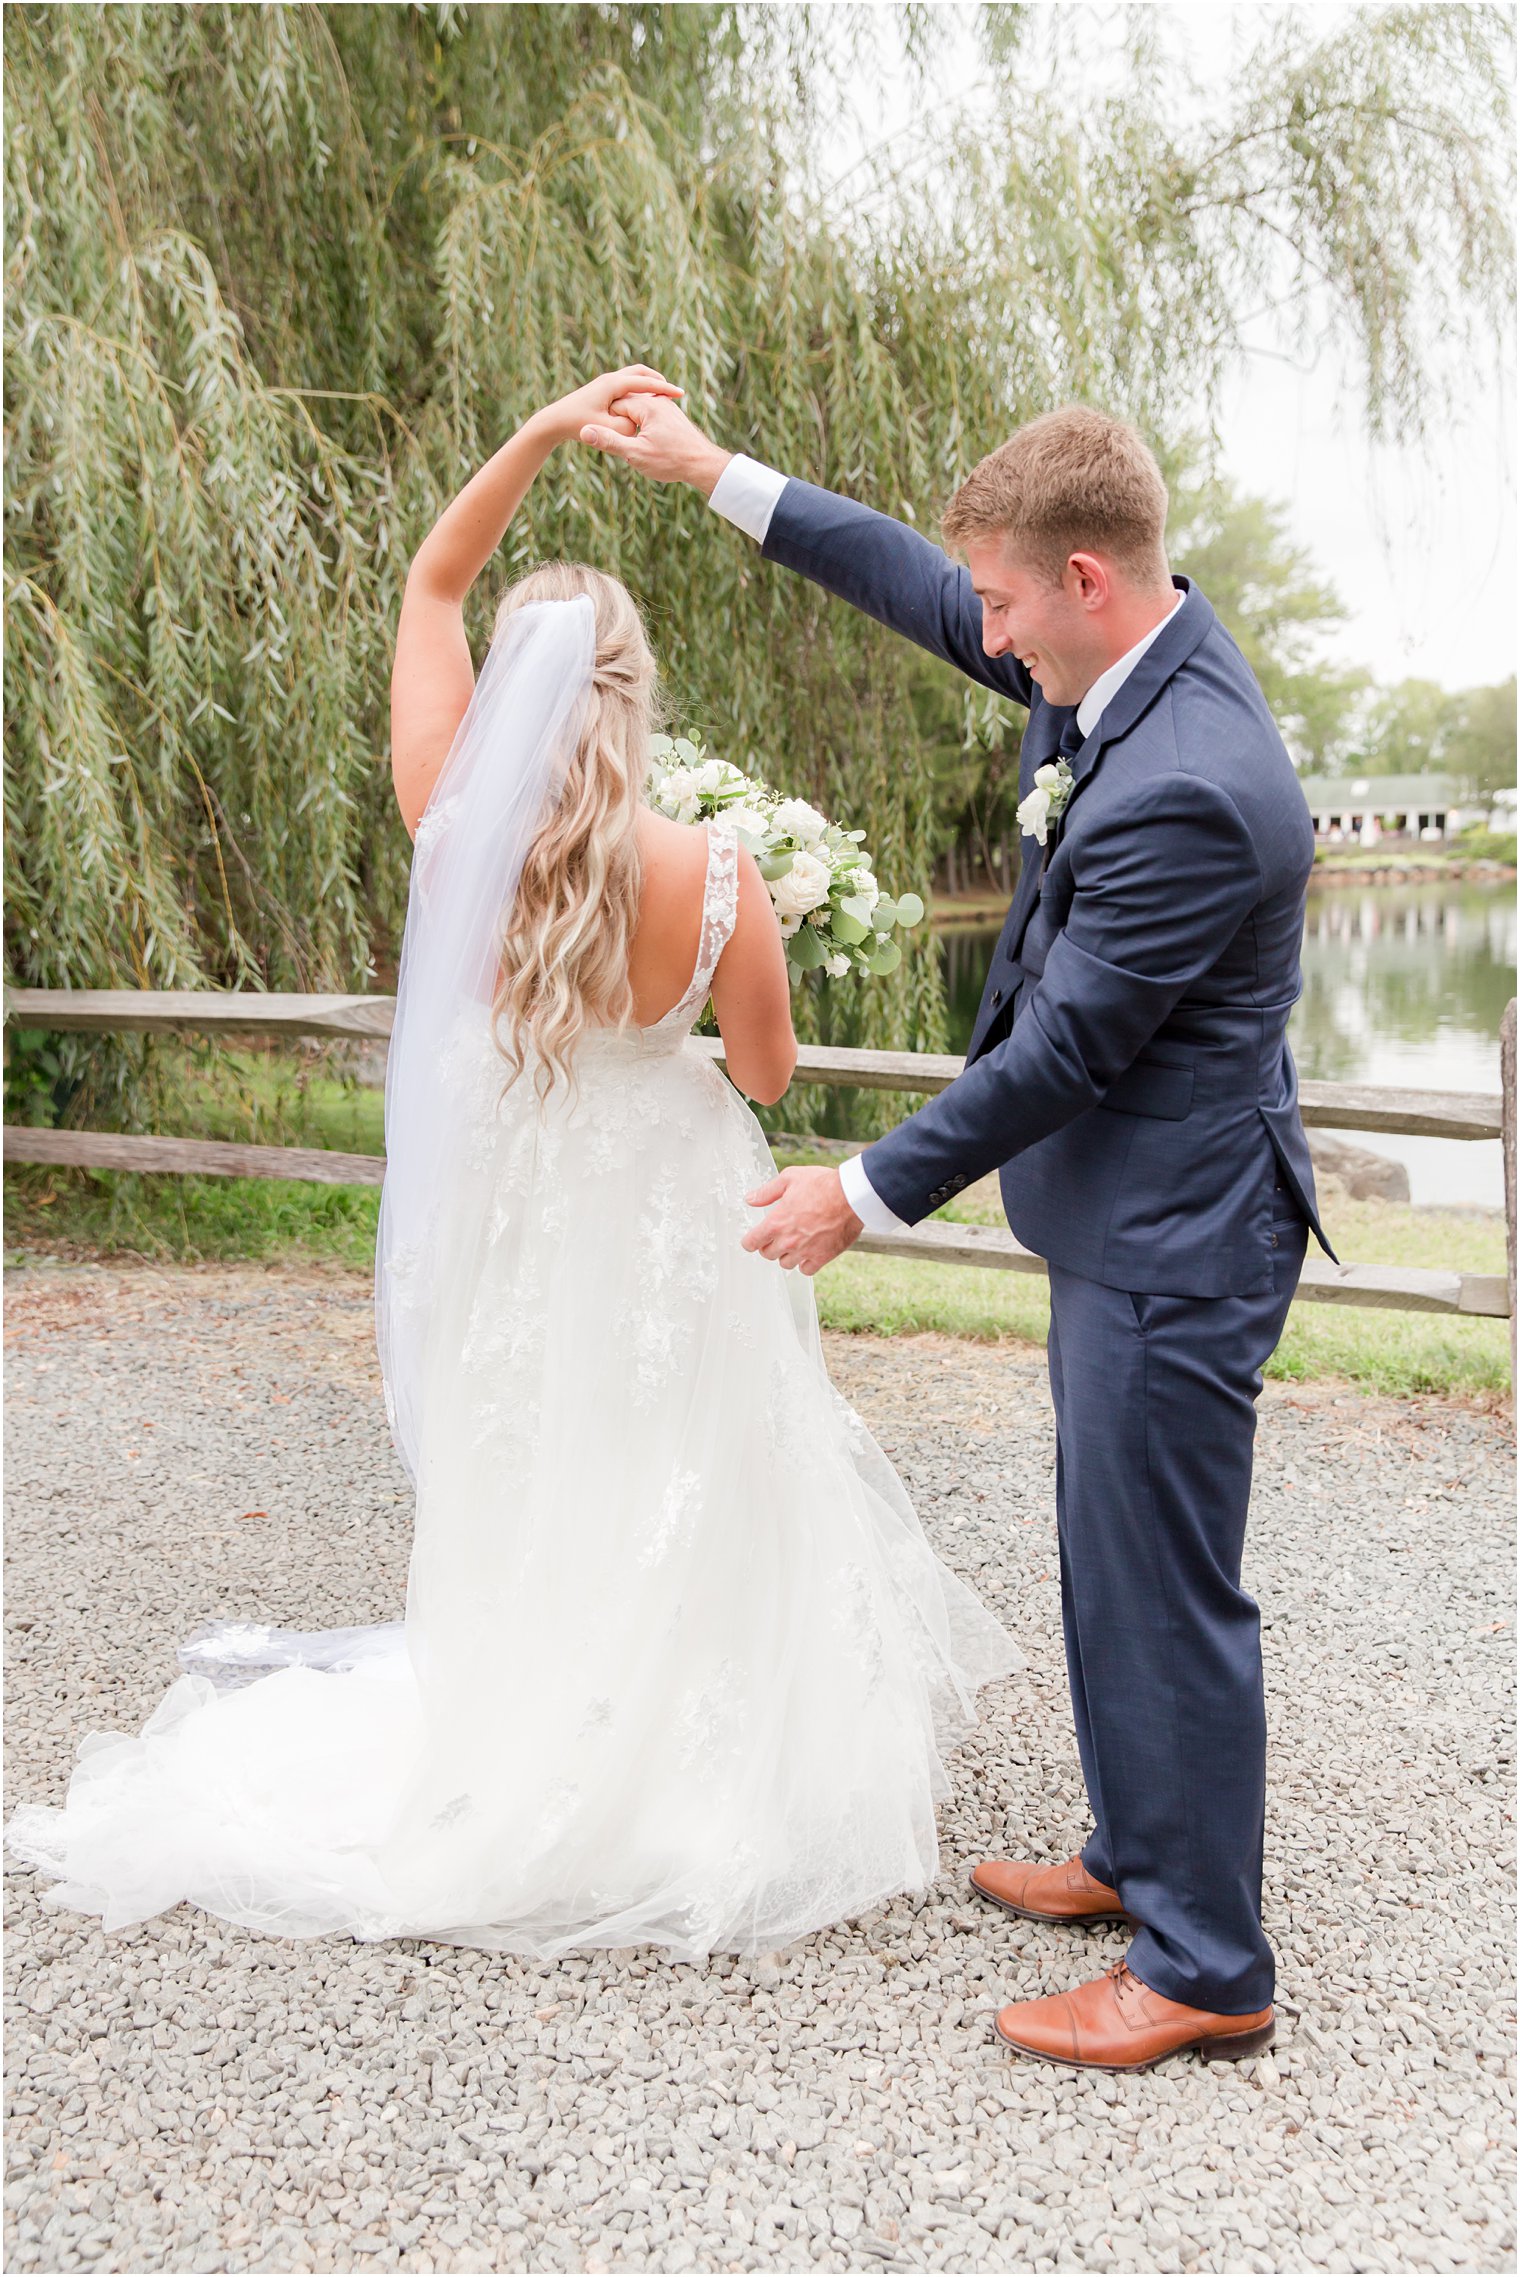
[(745, 494), (864, 1200)]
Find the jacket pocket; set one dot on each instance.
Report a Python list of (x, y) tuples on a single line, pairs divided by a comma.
[(1151, 1086)]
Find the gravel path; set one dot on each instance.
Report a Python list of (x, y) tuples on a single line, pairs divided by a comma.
[(188, 2096)]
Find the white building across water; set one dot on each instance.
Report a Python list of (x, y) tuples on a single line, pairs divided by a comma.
[(1359, 810)]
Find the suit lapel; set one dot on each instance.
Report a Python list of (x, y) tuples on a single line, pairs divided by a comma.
[(1032, 856), (1026, 894), (1168, 652), (1165, 657)]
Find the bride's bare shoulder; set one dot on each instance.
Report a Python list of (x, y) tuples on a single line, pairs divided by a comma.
[(672, 852)]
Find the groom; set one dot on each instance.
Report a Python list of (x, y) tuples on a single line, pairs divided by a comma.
[(1130, 1079)]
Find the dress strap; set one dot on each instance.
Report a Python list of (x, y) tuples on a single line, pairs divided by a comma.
[(720, 914)]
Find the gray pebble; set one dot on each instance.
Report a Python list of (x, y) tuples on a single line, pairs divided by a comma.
[(842, 2105)]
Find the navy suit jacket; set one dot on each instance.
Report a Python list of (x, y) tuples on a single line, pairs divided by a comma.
[(1129, 1072)]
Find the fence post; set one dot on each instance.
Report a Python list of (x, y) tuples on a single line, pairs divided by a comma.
[(1507, 1085)]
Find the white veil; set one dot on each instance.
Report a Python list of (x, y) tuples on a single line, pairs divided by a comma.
[(504, 772), (505, 769)]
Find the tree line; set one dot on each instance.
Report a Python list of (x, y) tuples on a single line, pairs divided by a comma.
[(279, 278)]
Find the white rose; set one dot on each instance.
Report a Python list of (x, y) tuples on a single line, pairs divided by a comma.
[(750, 824), (805, 885), (1034, 812), (1052, 788), (679, 786), (836, 967), (710, 777), (794, 818)]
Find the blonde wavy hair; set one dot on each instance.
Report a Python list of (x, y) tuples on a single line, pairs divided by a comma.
[(566, 938)]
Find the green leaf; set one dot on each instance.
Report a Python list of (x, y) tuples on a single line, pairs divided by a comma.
[(807, 949), (909, 909), (848, 930), (885, 959), (775, 866)]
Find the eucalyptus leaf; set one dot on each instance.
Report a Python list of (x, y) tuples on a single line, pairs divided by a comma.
[(910, 909), (885, 959), (806, 948)]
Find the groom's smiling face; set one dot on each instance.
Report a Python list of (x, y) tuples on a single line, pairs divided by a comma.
[(1055, 629)]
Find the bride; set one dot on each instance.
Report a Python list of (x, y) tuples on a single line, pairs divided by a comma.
[(678, 1665)]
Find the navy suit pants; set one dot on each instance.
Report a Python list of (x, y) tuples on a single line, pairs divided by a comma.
[(1155, 1401)]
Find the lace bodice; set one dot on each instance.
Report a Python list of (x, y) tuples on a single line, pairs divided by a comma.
[(720, 914), (610, 1044)]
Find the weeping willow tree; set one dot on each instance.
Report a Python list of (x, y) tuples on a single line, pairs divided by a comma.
[(278, 279)]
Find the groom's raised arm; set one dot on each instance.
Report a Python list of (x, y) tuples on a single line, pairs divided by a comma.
[(881, 567)]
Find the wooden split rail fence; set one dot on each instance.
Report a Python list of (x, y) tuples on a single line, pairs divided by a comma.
[(1339, 1106)]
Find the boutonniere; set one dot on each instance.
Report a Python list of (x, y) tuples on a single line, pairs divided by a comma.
[(1046, 803)]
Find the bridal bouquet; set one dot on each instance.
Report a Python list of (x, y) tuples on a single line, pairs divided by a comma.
[(834, 916)]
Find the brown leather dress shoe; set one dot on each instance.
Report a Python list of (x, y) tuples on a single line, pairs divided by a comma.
[(1117, 2023), (1047, 1893)]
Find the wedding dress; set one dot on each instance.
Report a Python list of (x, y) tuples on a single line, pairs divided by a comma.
[(679, 1666)]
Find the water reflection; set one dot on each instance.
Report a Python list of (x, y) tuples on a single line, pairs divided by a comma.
[(1402, 985), (965, 953), (1427, 969)]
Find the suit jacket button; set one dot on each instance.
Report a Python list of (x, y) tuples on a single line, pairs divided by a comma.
[(997, 996)]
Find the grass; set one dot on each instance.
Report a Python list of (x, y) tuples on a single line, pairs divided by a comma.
[(168, 1218), (1397, 1353), (1457, 854)]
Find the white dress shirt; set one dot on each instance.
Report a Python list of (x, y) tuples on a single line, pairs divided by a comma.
[(745, 494)]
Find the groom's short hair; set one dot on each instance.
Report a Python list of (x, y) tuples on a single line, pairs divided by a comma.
[(1071, 481)]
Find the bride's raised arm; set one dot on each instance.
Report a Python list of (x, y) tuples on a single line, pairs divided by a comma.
[(432, 676)]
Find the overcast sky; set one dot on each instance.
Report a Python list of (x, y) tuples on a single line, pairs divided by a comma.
[(1419, 541)]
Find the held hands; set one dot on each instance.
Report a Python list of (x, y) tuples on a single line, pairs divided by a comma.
[(810, 1222), (655, 436), (566, 419)]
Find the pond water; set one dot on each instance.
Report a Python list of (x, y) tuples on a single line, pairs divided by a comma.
[(1402, 985)]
